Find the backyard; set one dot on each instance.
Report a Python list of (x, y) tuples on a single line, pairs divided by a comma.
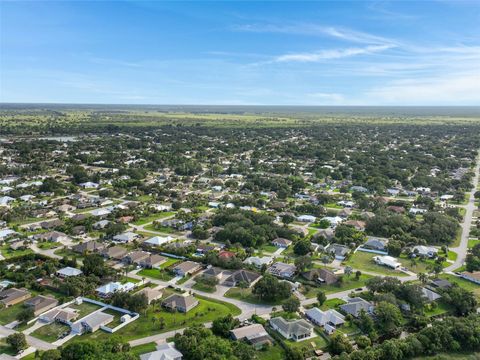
[(363, 261)]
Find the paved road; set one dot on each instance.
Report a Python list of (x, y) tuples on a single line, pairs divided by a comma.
[(470, 208)]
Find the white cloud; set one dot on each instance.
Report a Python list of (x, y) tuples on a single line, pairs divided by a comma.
[(316, 30), (453, 89), (330, 54)]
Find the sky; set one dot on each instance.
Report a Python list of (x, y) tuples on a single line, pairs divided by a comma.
[(241, 52)]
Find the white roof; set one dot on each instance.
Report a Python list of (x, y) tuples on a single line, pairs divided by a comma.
[(100, 212), (307, 217), (69, 271), (323, 317), (112, 287), (163, 352), (125, 237), (159, 240), (6, 232), (387, 260), (258, 261)]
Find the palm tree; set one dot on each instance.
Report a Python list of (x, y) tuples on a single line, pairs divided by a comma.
[(348, 271), (422, 277)]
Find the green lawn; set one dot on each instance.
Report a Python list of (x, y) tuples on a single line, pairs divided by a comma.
[(462, 283), (247, 296), (364, 261), (205, 288), (7, 315), (306, 345), (472, 243), (5, 348), (440, 309), (9, 253), (84, 308), (47, 245), (269, 248), (347, 284), (419, 265), (162, 275), (153, 217), (143, 349), (332, 304), (149, 323), (274, 352), (50, 332)]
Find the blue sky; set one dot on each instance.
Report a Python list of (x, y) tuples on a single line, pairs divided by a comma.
[(231, 52)]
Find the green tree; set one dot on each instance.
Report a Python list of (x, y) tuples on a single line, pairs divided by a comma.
[(291, 305), (388, 317), (17, 341), (321, 297), (223, 325)]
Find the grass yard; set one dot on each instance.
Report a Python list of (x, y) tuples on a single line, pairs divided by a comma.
[(347, 284), (153, 217), (468, 285), (419, 265), (332, 304), (205, 288), (51, 332), (274, 352), (162, 275), (84, 308), (7, 315), (47, 245), (247, 296), (363, 261), (472, 243), (9, 253), (169, 262), (306, 345), (143, 349), (440, 309), (269, 248), (5, 348), (149, 324)]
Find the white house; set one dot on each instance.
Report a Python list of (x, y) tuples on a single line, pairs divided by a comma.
[(89, 185), (113, 287), (158, 240), (126, 237), (426, 251), (306, 218), (387, 261)]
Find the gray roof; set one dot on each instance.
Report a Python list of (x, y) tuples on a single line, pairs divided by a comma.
[(355, 305), (297, 327)]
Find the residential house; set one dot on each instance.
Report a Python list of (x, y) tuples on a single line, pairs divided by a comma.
[(345, 213), (254, 334), (323, 276), (158, 240), (134, 257), (226, 255), (307, 218), (164, 351), (328, 234), (329, 320), (41, 303), (152, 261), (102, 224), (339, 251), (89, 246), (68, 272), (92, 322), (150, 294), (114, 252), (213, 272), (430, 295), (281, 242), (109, 289), (242, 276), (283, 270), (64, 316), (182, 303), (471, 276), (375, 244), (293, 329), (47, 225), (13, 296), (355, 305), (425, 251), (53, 236), (388, 261), (258, 261), (126, 237), (186, 268), (441, 284), (359, 225)]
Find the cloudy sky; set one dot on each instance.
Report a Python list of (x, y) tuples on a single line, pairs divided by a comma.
[(285, 53)]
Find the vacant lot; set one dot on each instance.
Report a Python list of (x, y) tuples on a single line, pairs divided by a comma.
[(363, 261), (50, 332)]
